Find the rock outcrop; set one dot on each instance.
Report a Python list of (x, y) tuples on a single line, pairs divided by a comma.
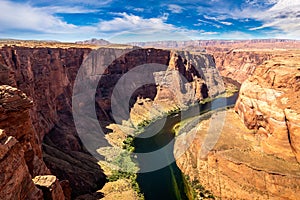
[(16, 181), (237, 167), (268, 104), (187, 80), (50, 186), (176, 80), (15, 120), (257, 152), (239, 64), (21, 155), (46, 75)]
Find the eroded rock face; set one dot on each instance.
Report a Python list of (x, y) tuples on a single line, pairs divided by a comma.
[(20, 155), (237, 167), (184, 80), (257, 153), (238, 64), (15, 120), (16, 182), (50, 187), (46, 75), (268, 104)]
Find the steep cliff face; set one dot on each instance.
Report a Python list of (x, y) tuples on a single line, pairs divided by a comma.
[(178, 80), (46, 75), (237, 167), (16, 121), (268, 104), (238, 64), (200, 79), (16, 180), (257, 153), (21, 155)]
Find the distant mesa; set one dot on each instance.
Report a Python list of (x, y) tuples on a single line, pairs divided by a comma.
[(94, 41)]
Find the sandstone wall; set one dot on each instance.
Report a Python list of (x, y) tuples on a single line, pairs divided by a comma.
[(268, 104), (21, 155), (46, 75), (257, 153), (237, 167), (239, 65)]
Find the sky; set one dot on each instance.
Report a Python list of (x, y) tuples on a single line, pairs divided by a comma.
[(141, 20)]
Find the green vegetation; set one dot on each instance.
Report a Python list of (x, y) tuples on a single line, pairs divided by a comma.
[(117, 174), (195, 190), (176, 110), (144, 123), (206, 100), (127, 166), (128, 144)]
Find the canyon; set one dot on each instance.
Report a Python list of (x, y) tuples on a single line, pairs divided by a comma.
[(42, 155)]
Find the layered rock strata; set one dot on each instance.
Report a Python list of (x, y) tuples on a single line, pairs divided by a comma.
[(46, 75), (256, 155), (238, 64), (268, 104), (21, 155), (237, 167), (16, 181)]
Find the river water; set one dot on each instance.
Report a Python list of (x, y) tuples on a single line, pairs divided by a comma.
[(168, 183)]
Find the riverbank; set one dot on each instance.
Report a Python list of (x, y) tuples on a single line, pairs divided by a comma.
[(178, 186)]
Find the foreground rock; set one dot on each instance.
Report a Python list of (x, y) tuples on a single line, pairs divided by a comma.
[(15, 178), (50, 186), (237, 167), (268, 104), (46, 75), (257, 151), (21, 156)]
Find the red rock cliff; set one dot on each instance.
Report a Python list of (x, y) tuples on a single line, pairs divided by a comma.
[(46, 75), (257, 153)]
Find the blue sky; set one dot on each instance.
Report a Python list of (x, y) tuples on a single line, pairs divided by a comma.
[(137, 20)]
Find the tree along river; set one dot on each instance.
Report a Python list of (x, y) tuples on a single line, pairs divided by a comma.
[(168, 183)]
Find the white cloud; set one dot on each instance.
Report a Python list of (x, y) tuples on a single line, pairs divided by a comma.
[(25, 21), (24, 17), (236, 35), (127, 22), (208, 33), (226, 23), (284, 16), (129, 28), (281, 15), (175, 8), (65, 9), (71, 2), (207, 22), (139, 9), (210, 18), (218, 19)]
